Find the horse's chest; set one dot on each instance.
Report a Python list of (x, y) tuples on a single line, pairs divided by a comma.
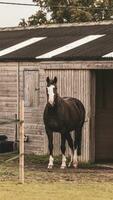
[(53, 122)]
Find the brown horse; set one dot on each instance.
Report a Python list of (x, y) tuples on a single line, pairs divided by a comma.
[(63, 115)]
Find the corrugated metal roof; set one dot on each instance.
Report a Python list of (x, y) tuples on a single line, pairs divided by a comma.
[(85, 42)]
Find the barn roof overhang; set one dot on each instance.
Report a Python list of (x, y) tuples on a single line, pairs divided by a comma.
[(79, 42)]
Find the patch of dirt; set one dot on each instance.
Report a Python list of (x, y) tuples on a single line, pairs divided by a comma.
[(36, 170), (79, 175)]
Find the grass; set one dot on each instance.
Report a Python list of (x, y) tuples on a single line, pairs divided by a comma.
[(61, 191), (88, 182)]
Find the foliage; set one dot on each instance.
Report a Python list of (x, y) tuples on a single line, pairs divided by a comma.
[(23, 23), (37, 19), (69, 11)]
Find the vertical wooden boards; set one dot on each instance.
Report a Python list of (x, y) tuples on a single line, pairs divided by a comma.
[(21, 142), (31, 88), (28, 80), (8, 97)]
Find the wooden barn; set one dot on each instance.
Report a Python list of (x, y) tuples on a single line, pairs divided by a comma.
[(81, 56)]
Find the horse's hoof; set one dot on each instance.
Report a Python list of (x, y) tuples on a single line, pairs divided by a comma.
[(63, 167), (75, 165), (50, 167), (70, 164)]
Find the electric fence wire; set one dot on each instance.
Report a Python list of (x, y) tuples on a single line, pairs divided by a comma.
[(57, 6)]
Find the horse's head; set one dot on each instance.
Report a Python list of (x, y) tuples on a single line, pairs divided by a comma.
[(51, 90)]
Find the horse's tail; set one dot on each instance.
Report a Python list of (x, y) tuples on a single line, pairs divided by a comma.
[(81, 111), (79, 128), (79, 140)]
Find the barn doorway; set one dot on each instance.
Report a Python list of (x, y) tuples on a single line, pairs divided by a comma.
[(104, 116)]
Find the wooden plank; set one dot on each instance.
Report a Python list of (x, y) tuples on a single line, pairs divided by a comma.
[(31, 88), (8, 97), (21, 143)]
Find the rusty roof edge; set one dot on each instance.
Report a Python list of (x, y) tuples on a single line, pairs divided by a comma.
[(56, 25)]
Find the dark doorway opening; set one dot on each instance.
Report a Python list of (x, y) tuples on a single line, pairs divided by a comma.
[(104, 116)]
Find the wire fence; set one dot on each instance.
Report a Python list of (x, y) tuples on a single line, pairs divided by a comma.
[(9, 119)]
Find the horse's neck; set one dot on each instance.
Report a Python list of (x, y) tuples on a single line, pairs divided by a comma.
[(58, 100), (57, 105)]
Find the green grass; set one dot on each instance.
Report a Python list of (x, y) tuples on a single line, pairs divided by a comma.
[(88, 182), (56, 191)]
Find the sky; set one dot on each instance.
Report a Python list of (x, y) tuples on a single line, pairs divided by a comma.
[(11, 15)]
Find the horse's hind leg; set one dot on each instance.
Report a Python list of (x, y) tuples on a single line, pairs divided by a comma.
[(50, 146), (79, 140), (70, 143), (63, 149), (75, 158), (77, 146)]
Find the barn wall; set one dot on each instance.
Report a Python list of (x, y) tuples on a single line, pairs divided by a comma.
[(10, 74), (71, 82), (8, 97), (74, 79)]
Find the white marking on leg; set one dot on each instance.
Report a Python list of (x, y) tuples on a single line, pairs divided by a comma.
[(63, 165), (75, 160), (71, 159), (51, 94), (50, 164)]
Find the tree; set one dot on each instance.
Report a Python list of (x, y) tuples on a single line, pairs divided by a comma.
[(103, 10), (37, 19), (23, 23), (69, 11), (64, 11)]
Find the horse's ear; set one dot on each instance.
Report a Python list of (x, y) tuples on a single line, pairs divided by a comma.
[(55, 79), (47, 79)]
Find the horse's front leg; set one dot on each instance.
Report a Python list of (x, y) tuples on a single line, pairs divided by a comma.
[(63, 149), (50, 146)]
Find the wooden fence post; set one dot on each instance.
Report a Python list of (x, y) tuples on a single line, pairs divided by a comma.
[(21, 143)]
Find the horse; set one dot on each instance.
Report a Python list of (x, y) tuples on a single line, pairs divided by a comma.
[(63, 115)]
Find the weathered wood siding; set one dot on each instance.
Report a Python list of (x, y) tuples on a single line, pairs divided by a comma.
[(8, 97), (75, 79), (31, 82)]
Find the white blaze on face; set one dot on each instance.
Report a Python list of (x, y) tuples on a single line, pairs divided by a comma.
[(51, 94)]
